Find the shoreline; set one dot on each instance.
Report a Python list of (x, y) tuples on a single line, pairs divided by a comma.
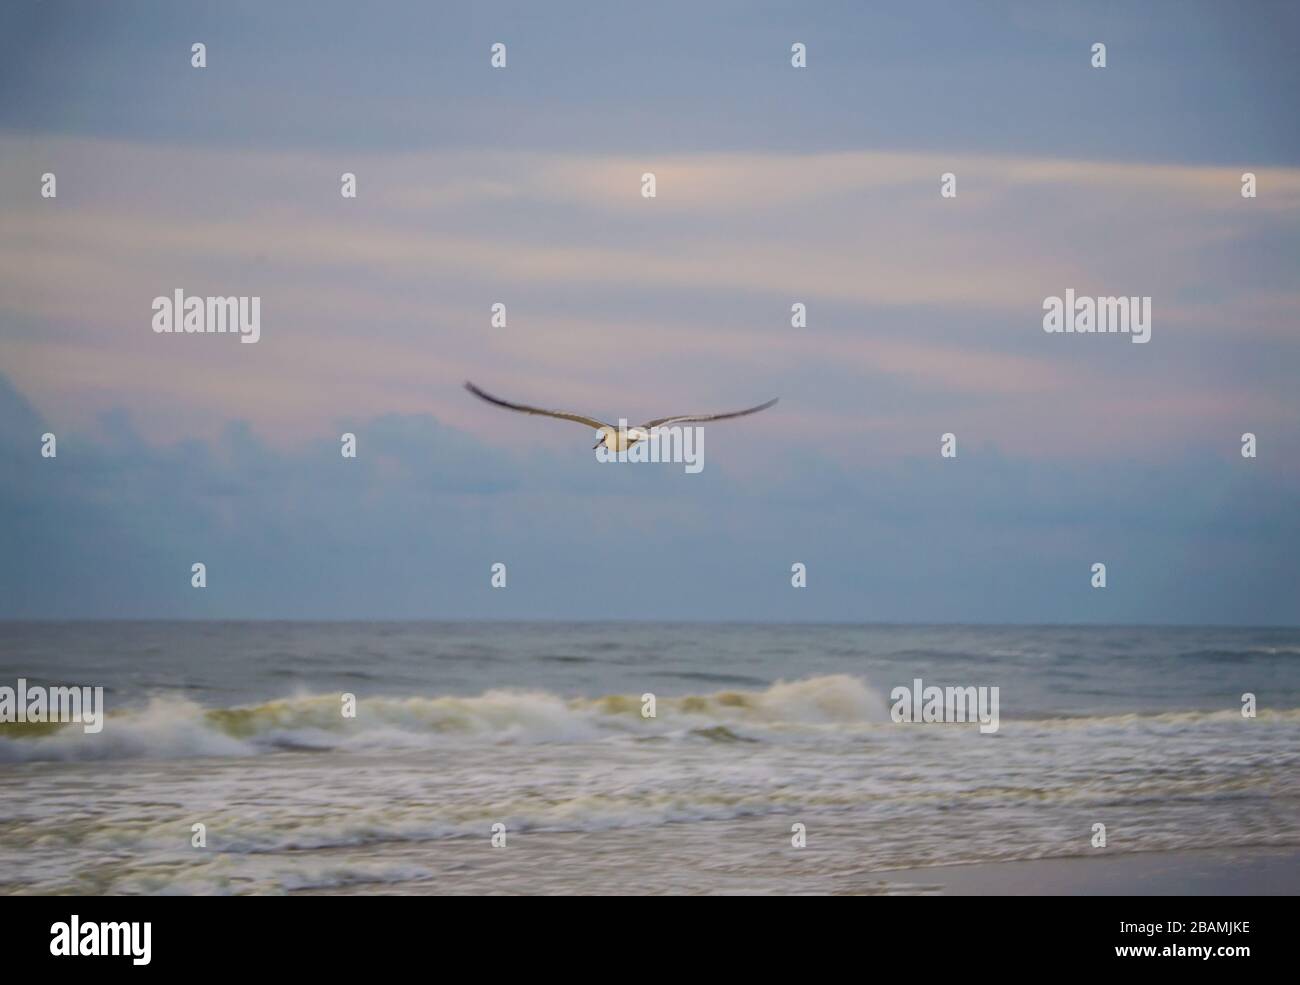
[(1246, 871), (1180, 872)]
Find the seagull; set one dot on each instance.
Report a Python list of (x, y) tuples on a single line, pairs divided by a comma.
[(613, 438)]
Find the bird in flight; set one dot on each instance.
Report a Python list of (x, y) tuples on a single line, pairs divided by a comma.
[(613, 438)]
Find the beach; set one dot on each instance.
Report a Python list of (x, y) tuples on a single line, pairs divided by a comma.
[(518, 759), (1245, 872)]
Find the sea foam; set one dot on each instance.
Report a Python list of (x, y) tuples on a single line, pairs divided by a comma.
[(170, 727)]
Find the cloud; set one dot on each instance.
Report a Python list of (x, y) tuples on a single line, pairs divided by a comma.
[(410, 528), (381, 305), (774, 187)]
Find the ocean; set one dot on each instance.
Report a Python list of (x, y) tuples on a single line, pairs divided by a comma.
[(760, 731)]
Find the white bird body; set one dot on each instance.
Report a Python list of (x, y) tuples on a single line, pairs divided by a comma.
[(616, 439), (621, 440)]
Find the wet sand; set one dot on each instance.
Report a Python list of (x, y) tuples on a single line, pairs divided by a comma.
[(751, 858), (1244, 872)]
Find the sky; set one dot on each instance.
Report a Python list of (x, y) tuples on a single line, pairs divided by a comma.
[(774, 185)]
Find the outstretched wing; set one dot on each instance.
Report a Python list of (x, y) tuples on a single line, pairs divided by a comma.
[(696, 418), (523, 409)]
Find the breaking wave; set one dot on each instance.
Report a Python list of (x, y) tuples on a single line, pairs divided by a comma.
[(174, 727)]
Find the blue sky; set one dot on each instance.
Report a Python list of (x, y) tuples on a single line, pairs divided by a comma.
[(775, 185)]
